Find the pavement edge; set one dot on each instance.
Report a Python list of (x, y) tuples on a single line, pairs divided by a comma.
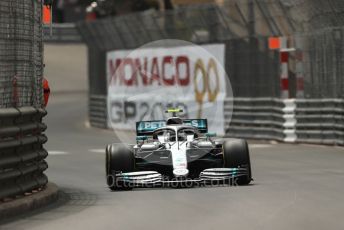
[(29, 203)]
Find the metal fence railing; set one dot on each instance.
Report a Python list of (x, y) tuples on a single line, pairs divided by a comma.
[(313, 27), (21, 53), (61, 33), (315, 14), (323, 57), (252, 67), (201, 24), (21, 98)]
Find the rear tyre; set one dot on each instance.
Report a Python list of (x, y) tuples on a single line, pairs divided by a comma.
[(119, 158), (236, 155)]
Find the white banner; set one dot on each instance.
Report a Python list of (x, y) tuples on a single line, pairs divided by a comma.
[(143, 83)]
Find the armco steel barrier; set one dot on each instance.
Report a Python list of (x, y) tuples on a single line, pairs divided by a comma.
[(317, 121), (98, 111), (320, 121), (62, 33), (21, 151), (261, 118)]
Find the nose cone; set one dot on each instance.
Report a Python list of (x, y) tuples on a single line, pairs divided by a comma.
[(180, 172)]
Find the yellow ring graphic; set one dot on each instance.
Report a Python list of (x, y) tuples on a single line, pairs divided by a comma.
[(200, 94), (213, 95)]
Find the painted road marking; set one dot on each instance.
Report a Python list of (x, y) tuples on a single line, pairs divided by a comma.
[(97, 150), (57, 153), (259, 146)]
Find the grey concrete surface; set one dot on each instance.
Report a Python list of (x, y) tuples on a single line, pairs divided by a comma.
[(295, 187), (66, 67), (30, 202)]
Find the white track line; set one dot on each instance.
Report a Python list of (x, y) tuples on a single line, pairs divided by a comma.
[(97, 150), (57, 153), (256, 146)]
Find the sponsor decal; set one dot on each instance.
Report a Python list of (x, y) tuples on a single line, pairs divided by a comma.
[(180, 172), (143, 83), (147, 127)]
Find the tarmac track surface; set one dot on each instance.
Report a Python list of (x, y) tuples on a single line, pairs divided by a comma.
[(295, 187)]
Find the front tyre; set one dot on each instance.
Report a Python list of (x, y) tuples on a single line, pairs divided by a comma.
[(236, 155), (119, 158)]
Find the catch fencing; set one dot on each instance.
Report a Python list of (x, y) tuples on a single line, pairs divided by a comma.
[(313, 28), (203, 24), (21, 53), (252, 67), (21, 98), (323, 57)]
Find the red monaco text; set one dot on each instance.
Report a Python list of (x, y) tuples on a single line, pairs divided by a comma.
[(167, 71)]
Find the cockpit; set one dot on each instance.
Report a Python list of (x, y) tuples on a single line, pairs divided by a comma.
[(169, 135)]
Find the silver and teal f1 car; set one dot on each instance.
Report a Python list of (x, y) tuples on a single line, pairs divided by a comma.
[(177, 152)]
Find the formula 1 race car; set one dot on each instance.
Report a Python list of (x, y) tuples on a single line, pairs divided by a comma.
[(177, 152)]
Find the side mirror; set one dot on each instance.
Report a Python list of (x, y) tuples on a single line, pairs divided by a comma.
[(190, 138), (210, 135), (141, 138)]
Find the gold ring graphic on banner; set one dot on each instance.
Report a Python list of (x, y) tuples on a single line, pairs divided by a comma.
[(205, 73)]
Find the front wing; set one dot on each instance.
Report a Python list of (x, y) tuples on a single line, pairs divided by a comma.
[(155, 179)]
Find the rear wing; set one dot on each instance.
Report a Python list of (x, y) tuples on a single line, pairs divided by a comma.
[(200, 124), (146, 128)]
